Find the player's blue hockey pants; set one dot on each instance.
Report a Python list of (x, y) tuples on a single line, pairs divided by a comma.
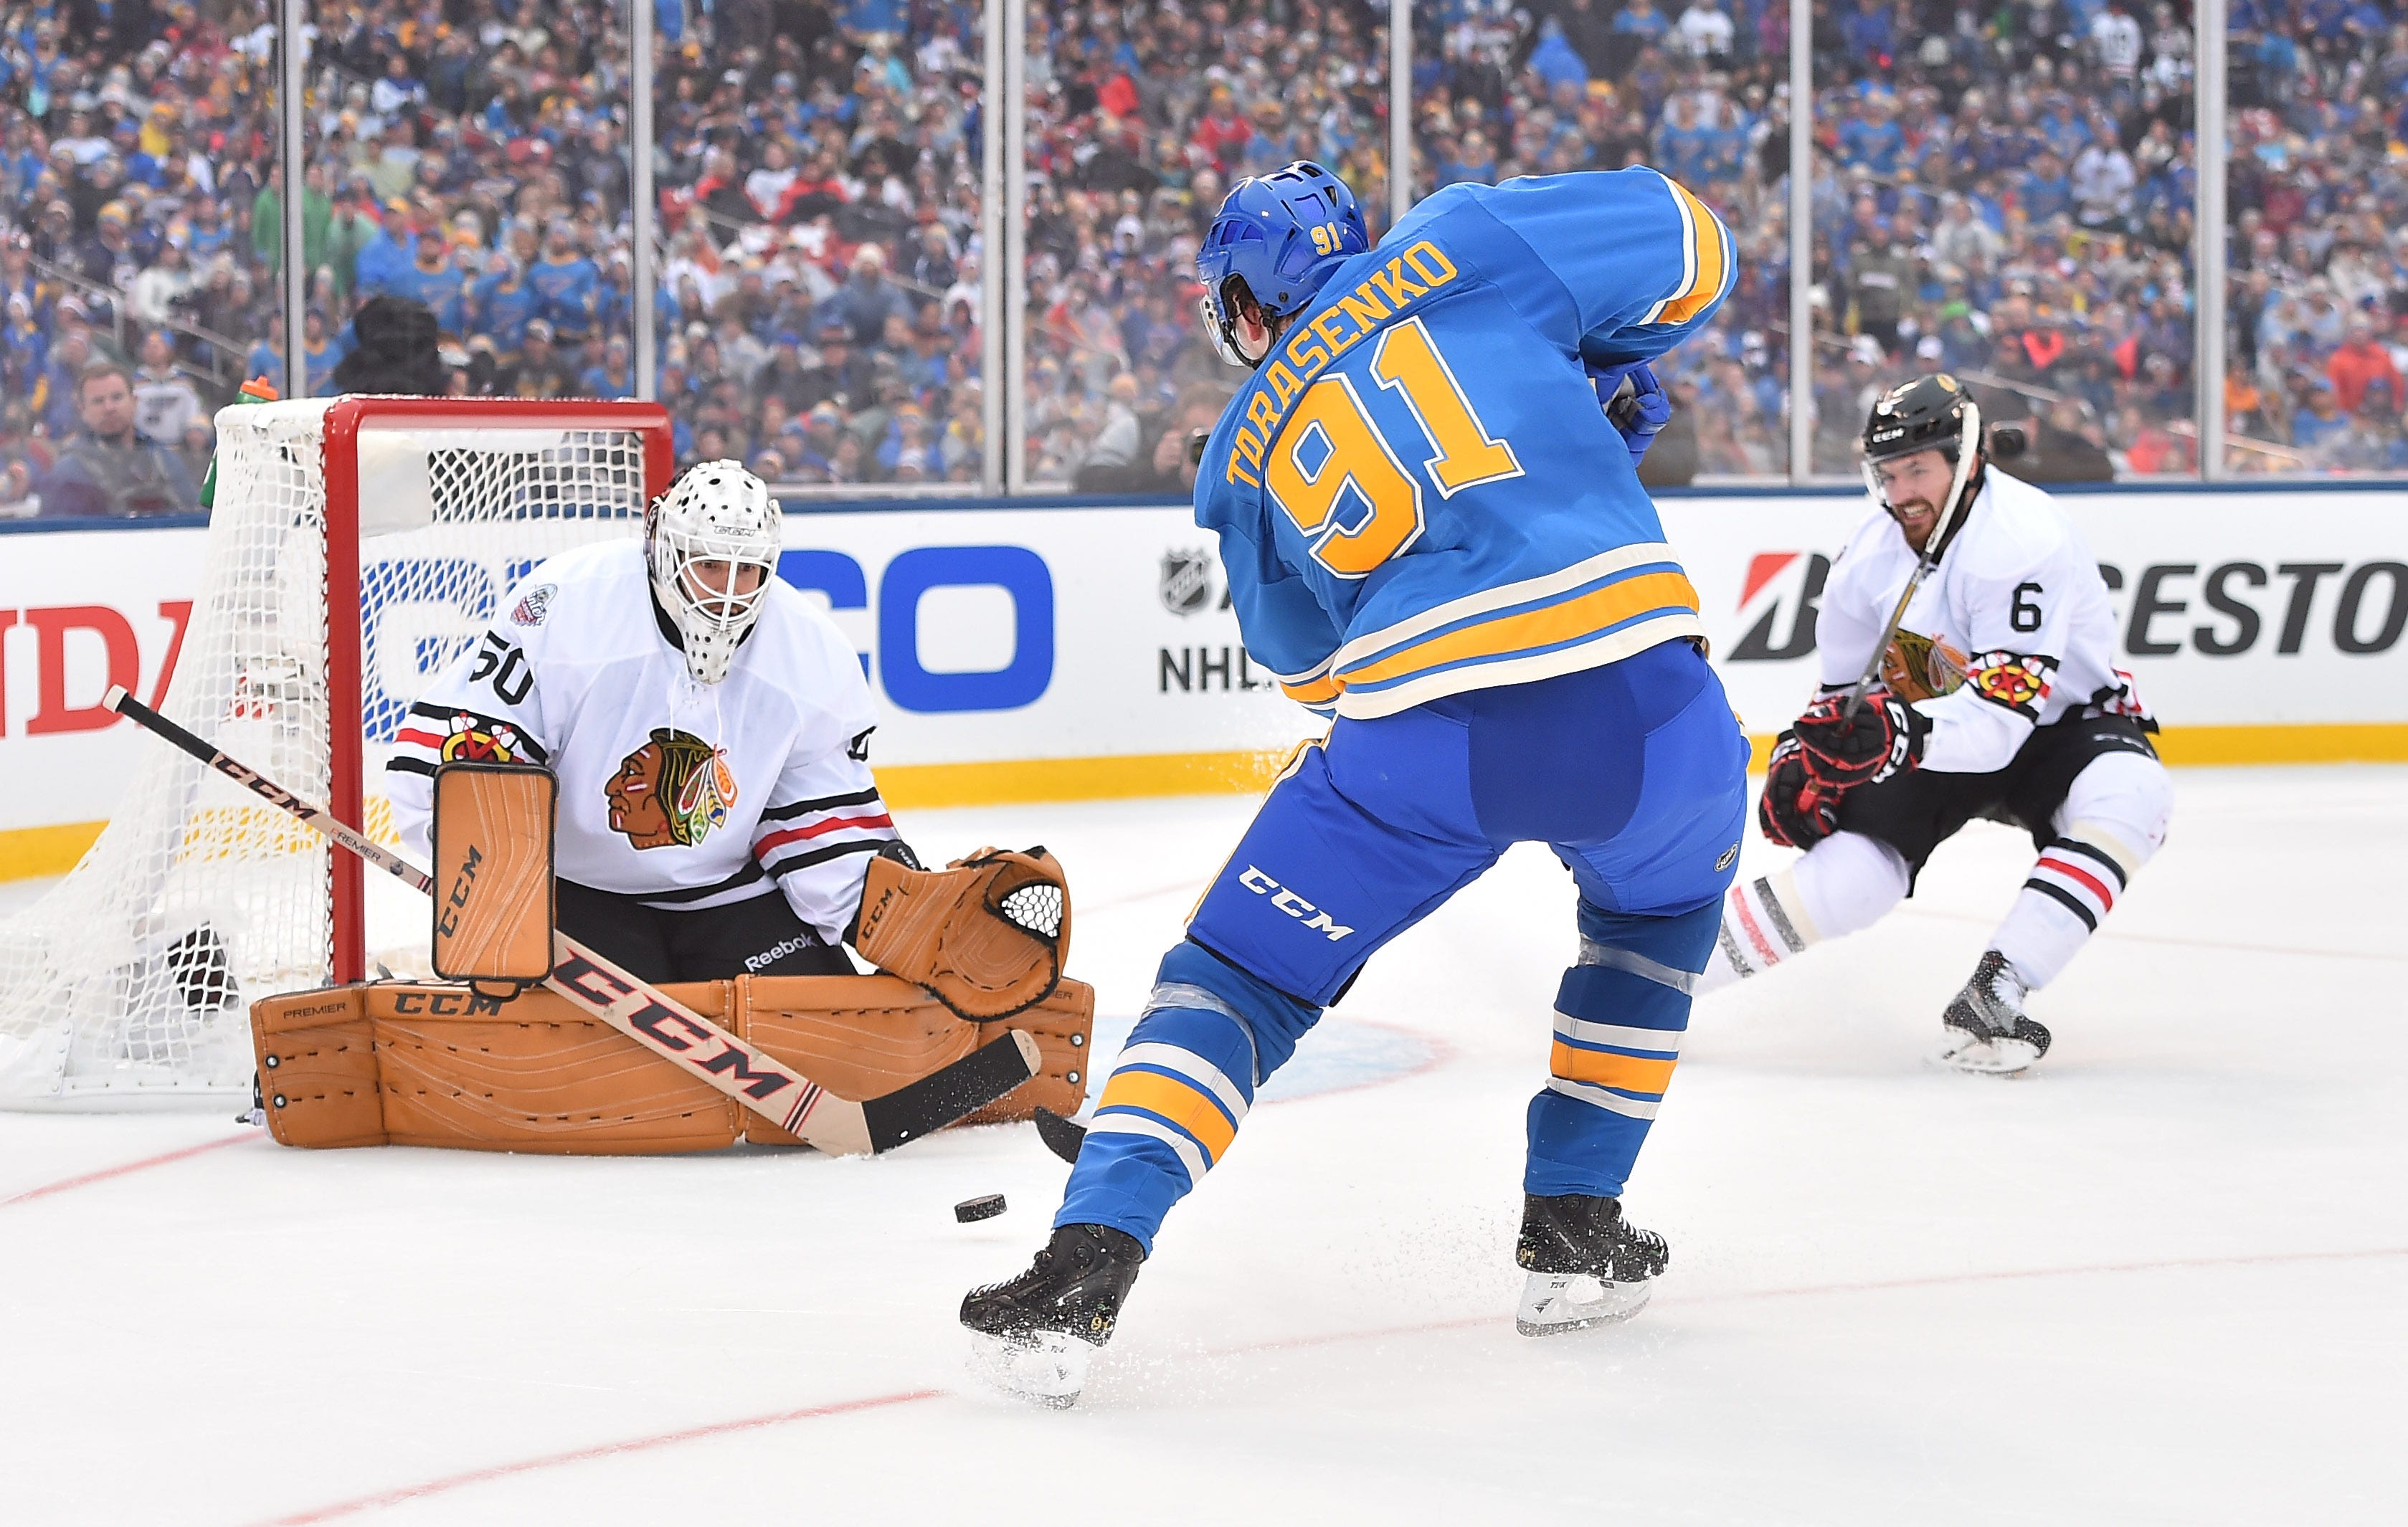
[(1634, 773)]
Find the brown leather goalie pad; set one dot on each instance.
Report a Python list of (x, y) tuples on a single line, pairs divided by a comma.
[(426, 1065), (493, 893), (988, 934), (861, 1036)]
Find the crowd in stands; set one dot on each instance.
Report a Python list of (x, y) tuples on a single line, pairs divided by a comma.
[(2006, 192)]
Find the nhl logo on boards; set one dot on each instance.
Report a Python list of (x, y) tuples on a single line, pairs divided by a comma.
[(533, 605), (1186, 584)]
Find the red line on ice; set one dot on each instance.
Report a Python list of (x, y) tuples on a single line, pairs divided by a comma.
[(581, 1455), (1494, 1317), (107, 1172)]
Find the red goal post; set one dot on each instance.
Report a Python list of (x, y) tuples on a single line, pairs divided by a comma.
[(346, 420)]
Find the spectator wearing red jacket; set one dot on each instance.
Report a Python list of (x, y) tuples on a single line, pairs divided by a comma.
[(2359, 363)]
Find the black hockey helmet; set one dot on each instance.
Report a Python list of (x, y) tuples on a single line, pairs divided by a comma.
[(1926, 413)]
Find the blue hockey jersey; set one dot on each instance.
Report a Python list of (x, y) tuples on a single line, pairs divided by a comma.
[(1417, 493)]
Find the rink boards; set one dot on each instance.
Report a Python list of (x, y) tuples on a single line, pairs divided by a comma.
[(1025, 651)]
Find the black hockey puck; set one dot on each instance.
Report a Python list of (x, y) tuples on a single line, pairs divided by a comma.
[(969, 1211)]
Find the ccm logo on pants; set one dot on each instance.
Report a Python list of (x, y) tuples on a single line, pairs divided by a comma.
[(1314, 919)]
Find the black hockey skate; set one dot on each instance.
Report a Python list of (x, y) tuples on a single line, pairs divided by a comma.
[(1575, 1242), (1032, 1335), (1987, 1031)]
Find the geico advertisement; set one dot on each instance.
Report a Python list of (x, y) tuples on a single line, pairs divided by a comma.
[(1034, 634), (2233, 609)]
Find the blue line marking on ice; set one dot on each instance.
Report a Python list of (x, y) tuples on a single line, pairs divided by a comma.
[(1337, 1054)]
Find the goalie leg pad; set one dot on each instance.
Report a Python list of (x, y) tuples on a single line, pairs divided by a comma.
[(860, 1037), (316, 1054)]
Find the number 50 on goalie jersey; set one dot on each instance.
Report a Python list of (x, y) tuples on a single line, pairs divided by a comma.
[(1417, 493)]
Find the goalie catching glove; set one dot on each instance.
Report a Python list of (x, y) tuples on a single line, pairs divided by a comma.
[(987, 934), (1884, 738)]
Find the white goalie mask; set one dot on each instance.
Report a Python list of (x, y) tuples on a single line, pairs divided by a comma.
[(713, 523)]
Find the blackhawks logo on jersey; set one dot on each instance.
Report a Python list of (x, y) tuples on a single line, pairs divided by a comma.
[(474, 739), (2012, 680), (671, 791)]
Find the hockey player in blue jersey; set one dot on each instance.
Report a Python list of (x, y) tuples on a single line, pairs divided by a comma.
[(1434, 535)]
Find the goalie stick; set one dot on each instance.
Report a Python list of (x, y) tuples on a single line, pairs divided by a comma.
[(778, 1093)]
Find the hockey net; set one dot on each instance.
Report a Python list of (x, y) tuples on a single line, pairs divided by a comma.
[(356, 546)]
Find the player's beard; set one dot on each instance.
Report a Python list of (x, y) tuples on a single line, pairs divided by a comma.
[(1917, 518)]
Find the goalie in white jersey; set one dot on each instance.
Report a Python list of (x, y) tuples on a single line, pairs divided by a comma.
[(710, 730), (1998, 697)]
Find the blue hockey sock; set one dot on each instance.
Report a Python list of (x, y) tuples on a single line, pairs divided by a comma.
[(1619, 1018), (1178, 1091)]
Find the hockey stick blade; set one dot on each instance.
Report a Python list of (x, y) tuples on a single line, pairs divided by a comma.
[(960, 1089), (1061, 1136), (721, 1060)]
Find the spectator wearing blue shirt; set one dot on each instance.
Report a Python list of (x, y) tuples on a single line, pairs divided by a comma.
[(320, 355), (24, 349), (614, 378), (125, 142), (2321, 420), (564, 281), (1642, 19), (384, 261), (1683, 144), (869, 17), (266, 358), (2044, 190), (433, 278), (1555, 59), (867, 299), (503, 302), (1872, 138), (21, 165), (1869, 32)]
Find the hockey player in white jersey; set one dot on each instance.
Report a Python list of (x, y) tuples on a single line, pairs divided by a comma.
[(1998, 697), (710, 730)]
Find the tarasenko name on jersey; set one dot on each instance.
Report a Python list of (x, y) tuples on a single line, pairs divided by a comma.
[(1417, 494), (1313, 345)]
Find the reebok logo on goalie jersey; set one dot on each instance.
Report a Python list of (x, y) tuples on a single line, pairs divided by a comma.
[(671, 791)]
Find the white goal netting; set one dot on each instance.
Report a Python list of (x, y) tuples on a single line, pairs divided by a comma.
[(128, 984)]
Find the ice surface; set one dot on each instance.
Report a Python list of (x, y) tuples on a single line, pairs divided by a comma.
[(2159, 1281)]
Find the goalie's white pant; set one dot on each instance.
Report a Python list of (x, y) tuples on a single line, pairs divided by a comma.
[(2112, 821)]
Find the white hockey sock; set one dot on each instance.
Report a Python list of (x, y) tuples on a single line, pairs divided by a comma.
[(1848, 883), (1845, 882), (1763, 923), (2075, 884)]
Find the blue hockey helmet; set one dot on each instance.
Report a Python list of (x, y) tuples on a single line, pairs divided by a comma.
[(1276, 238)]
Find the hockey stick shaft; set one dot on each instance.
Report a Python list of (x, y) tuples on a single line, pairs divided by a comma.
[(721, 1060)]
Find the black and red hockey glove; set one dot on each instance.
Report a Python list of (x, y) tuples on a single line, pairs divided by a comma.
[(1795, 811), (1884, 738)]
